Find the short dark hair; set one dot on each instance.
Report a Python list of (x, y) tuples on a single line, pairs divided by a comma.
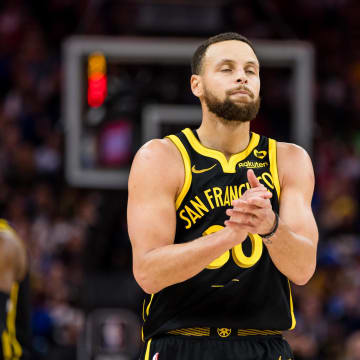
[(198, 56)]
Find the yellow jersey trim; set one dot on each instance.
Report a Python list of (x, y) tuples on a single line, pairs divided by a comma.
[(249, 332), (147, 353), (273, 166), (4, 226), (10, 345), (148, 307), (143, 310), (205, 331), (293, 320), (6, 345), (228, 166), (187, 166), (11, 320), (196, 331), (275, 176), (147, 314)]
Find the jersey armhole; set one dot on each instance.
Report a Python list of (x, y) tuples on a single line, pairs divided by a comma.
[(293, 320), (273, 166), (187, 167), (275, 176)]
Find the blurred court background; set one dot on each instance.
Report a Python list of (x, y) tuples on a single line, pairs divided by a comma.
[(73, 113)]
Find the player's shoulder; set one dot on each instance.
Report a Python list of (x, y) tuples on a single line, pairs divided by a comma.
[(293, 163), (157, 152), (157, 158), (291, 152), (8, 235), (12, 249), (154, 148)]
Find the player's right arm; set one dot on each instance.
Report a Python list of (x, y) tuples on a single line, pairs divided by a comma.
[(156, 179)]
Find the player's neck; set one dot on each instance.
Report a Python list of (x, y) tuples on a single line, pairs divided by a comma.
[(229, 138)]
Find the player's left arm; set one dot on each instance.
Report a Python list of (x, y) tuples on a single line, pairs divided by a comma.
[(293, 246)]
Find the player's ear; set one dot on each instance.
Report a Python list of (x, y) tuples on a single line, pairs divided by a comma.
[(196, 85)]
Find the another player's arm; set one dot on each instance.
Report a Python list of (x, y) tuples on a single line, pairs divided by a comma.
[(156, 178), (13, 262)]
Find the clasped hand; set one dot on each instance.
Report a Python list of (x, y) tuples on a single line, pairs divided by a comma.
[(252, 212)]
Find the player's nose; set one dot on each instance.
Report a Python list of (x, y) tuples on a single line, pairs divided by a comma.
[(241, 78)]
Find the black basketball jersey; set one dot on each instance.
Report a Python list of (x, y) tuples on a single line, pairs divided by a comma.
[(242, 288)]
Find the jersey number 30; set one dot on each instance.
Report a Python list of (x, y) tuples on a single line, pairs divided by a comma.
[(237, 252)]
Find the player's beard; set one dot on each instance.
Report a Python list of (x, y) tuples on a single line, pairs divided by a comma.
[(230, 111)]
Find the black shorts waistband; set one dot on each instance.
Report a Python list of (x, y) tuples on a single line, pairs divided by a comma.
[(223, 332)]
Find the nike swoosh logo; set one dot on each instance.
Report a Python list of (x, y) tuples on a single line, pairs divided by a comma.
[(202, 170)]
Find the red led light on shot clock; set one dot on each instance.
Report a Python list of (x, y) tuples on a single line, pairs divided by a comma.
[(97, 80)]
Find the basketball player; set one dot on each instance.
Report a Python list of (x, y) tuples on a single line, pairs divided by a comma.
[(13, 268), (220, 222)]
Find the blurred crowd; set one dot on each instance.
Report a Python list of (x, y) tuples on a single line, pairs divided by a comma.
[(77, 237)]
